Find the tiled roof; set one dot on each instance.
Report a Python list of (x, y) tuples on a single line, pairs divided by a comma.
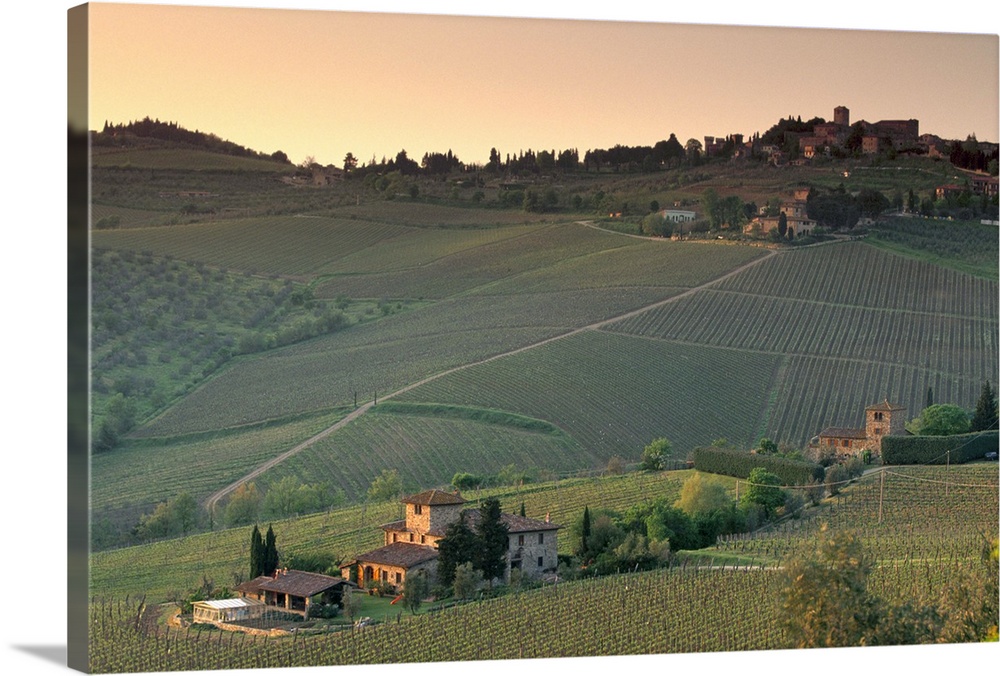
[(294, 582), (885, 406), (402, 554), (435, 497), (514, 522), (844, 433)]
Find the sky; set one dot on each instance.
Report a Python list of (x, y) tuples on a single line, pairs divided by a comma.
[(319, 83), (33, 274)]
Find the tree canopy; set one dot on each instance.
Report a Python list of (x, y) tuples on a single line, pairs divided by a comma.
[(940, 420)]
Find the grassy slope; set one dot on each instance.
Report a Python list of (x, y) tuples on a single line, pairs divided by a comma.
[(136, 476), (177, 565), (916, 550), (891, 328), (182, 159), (607, 390)]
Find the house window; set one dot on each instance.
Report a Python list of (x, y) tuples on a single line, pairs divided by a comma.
[(520, 540), (541, 538), (399, 578), (393, 537), (411, 537), (384, 575), (421, 539), (846, 443), (878, 430), (539, 562), (418, 509)]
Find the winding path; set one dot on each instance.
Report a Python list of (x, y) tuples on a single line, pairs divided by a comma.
[(212, 501)]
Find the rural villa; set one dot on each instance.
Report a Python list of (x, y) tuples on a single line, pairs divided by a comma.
[(880, 420), (411, 544)]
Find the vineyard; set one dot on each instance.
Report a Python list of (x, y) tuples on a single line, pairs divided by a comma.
[(932, 528), (630, 391), (160, 569), (890, 330), (135, 477), (427, 451)]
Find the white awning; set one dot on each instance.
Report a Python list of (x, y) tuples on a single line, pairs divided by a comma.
[(220, 604)]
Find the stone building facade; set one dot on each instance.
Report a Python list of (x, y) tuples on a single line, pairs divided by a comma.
[(411, 543), (881, 420)]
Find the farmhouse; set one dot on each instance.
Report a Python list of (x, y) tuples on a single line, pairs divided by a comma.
[(293, 591), (880, 420), (796, 220), (411, 544)]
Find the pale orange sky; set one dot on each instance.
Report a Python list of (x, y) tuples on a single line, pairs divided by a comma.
[(324, 83)]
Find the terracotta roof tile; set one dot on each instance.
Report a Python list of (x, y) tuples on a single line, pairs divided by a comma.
[(435, 497), (885, 406), (402, 554), (294, 582), (514, 522)]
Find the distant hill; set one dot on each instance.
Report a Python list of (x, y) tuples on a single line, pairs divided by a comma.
[(149, 134)]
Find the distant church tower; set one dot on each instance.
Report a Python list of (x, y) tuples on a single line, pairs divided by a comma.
[(842, 116)]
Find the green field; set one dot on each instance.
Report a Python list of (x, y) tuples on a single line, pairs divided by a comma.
[(132, 479), (499, 341), (160, 568), (609, 339), (932, 519), (182, 159)]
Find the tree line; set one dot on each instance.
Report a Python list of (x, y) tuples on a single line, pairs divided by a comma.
[(117, 134)]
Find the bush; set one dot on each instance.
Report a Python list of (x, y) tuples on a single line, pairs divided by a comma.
[(465, 481), (921, 450), (739, 464), (324, 611)]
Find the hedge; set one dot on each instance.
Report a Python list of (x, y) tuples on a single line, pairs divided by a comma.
[(927, 450), (736, 463)]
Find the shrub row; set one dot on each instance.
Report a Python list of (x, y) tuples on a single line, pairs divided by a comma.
[(737, 463), (927, 450)]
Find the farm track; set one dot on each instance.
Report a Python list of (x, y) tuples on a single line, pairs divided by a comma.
[(213, 500)]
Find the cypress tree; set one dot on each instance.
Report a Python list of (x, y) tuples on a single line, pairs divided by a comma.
[(270, 556), (985, 416), (491, 558), (458, 546), (256, 553), (584, 533)]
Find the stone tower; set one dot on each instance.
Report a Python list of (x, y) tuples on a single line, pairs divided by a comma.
[(881, 420), (842, 116)]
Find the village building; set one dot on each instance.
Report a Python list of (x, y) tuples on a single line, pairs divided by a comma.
[(881, 420), (677, 215), (293, 591), (797, 220), (411, 544)]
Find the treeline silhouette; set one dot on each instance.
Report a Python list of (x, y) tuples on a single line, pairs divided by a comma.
[(146, 128)]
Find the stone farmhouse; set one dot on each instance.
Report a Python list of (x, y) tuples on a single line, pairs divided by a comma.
[(796, 219), (411, 544), (881, 420)]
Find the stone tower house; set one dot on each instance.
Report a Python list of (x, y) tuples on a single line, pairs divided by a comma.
[(882, 420), (842, 116)]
